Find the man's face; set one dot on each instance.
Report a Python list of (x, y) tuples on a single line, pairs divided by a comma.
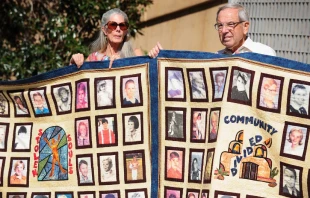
[(38, 100), (81, 95), (232, 38), (105, 164), (270, 92), (289, 178), (64, 95), (83, 170), (174, 163), (130, 90), (19, 169), (300, 96)]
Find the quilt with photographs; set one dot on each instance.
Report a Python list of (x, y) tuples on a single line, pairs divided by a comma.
[(183, 125)]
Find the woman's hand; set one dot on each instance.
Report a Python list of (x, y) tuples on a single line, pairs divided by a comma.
[(77, 59), (155, 51)]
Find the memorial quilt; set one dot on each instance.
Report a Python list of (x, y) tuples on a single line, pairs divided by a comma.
[(183, 125)]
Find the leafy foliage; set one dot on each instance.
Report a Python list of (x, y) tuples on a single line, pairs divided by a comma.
[(40, 35)]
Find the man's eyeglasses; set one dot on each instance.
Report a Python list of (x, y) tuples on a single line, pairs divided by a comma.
[(229, 25), (112, 25)]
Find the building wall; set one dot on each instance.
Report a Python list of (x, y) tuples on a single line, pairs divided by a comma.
[(180, 25), (188, 25), (284, 25)]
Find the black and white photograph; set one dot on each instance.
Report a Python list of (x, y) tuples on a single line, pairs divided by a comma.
[(22, 137), (108, 168), (105, 92), (175, 124), (195, 165), (198, 85), (85, 169), (62, 96), (133, 128), (240, 86), (290, 180), (298, 98)]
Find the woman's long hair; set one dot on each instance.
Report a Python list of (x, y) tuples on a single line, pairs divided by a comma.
[(101, 43)]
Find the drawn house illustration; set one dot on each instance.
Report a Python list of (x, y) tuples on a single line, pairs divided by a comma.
[(256, 166)]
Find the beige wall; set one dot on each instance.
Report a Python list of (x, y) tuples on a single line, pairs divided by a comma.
[(194, 31)]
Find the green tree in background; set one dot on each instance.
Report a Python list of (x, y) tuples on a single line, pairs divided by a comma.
[(40, 35)]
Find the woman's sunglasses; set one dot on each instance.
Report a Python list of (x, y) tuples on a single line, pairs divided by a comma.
[(112, 25)]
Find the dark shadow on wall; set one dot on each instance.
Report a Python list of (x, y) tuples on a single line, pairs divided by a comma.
[(183, 12)]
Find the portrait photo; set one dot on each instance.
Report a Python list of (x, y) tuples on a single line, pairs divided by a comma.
[(131, 90), (16, 195), (205, 194), (4, 105), (192, 193), (175, 87), (173, 192), (298, 98), (85, 169), (105, 94), (214, 122), (106, 130), (109, 194), (86, 194), (198, 124), (108, 168), (134, 166), (240, 89), (295, 138), (270, 90), (175, 124), (41, 195), (218, 79), (83, 132), (4, 130), (2, 163), (20, 105), (133, 128), (82, 95), (174, 164), (62, 96), (208, 167), (22, 137), (290, 180), (223, 194), (64, 194), (19, 172), (136, 193), (198, 85), (195, 165), (39, 102)]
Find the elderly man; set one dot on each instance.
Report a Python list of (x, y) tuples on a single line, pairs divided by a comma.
[(232, 24)]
